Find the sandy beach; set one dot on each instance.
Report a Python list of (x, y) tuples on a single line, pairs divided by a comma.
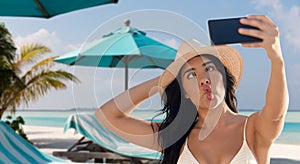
[(49, 139)]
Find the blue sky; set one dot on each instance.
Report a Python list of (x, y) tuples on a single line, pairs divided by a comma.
[(69, 31)]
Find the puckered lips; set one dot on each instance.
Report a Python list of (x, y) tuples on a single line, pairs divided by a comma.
[(207, 91)]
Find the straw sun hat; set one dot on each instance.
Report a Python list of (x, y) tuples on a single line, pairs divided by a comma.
[(229, 56)]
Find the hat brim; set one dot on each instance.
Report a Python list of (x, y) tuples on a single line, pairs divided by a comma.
[(229, 56)]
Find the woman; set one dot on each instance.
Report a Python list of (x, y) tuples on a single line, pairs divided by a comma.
[(201, 122)]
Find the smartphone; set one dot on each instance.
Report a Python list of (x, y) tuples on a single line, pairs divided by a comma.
[(225, 31)]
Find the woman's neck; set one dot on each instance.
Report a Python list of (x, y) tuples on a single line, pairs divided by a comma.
[(211, 118), (211, 112)]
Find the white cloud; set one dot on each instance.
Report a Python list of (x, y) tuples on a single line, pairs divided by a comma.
[(50, 39), (275, 4), (288, 19), (170, 42)]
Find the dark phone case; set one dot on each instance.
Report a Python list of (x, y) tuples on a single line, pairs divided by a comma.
[(225, 31)]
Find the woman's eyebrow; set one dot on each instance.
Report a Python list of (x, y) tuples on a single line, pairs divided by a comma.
[(206, 63), (192, 69), (188, 70)]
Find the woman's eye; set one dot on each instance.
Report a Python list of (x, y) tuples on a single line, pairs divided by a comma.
[(209, 68), (191, 75)]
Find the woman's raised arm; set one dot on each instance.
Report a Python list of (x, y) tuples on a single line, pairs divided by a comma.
[(114, 115), (269, 121)]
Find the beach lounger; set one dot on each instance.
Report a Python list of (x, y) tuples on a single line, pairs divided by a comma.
[(102, 141), (14, 149)]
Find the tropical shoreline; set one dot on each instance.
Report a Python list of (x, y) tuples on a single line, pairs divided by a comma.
[(49, 139)]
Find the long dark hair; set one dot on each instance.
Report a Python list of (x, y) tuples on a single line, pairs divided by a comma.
[(174, 130)]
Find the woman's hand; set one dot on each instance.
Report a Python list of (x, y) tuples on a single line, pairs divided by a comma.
[(268, 32)]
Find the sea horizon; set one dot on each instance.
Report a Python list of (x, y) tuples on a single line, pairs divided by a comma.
[(58, 118), (94, 108)]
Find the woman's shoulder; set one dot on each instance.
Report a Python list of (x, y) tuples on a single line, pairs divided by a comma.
[(240, 118)]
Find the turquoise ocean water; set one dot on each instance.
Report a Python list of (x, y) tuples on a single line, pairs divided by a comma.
[(57, 118)]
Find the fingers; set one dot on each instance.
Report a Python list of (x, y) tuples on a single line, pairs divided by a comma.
[(267, 30), (252, 32), (261, 18), (252, 45), (261, 22)]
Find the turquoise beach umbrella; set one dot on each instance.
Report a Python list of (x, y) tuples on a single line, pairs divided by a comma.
[(46, 8), (127, 47)]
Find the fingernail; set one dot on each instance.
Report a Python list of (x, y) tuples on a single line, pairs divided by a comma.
[(242, 20)]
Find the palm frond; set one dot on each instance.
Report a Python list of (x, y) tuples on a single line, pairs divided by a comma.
[(7, 46), (38, 86), (42, 65), (5, 64), (45, 63), (29, 51), (35, 83)]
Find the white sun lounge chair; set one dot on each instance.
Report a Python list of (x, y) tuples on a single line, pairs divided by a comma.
[(87, 125), (15, 149)]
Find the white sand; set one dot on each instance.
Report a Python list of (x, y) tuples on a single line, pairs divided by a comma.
[(49, 139), (285, 151)]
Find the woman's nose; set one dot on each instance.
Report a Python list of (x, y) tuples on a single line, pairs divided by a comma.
[(204, 82)]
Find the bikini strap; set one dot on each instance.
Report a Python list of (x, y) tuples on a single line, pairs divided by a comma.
[(245, 125)]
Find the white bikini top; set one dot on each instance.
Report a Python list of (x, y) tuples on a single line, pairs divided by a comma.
[(244, 155)]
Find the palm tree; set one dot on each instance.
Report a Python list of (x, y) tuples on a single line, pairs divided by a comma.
[(7, 56), (35, 79), (7, 47)]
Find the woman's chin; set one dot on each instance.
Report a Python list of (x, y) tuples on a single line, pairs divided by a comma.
[(214, 103)]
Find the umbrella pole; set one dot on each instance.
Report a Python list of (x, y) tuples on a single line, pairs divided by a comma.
[(126, 75)]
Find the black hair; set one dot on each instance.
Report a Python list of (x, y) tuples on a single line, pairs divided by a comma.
[(174, 130)]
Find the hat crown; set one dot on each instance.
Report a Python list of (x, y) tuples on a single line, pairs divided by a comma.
[(229, 57), (189, 46)]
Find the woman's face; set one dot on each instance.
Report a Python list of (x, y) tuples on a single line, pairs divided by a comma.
[(202, 83)]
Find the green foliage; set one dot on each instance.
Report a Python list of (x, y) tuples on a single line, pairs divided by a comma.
[(30, 76), (16, 125), (7, 47), (7, 56)]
